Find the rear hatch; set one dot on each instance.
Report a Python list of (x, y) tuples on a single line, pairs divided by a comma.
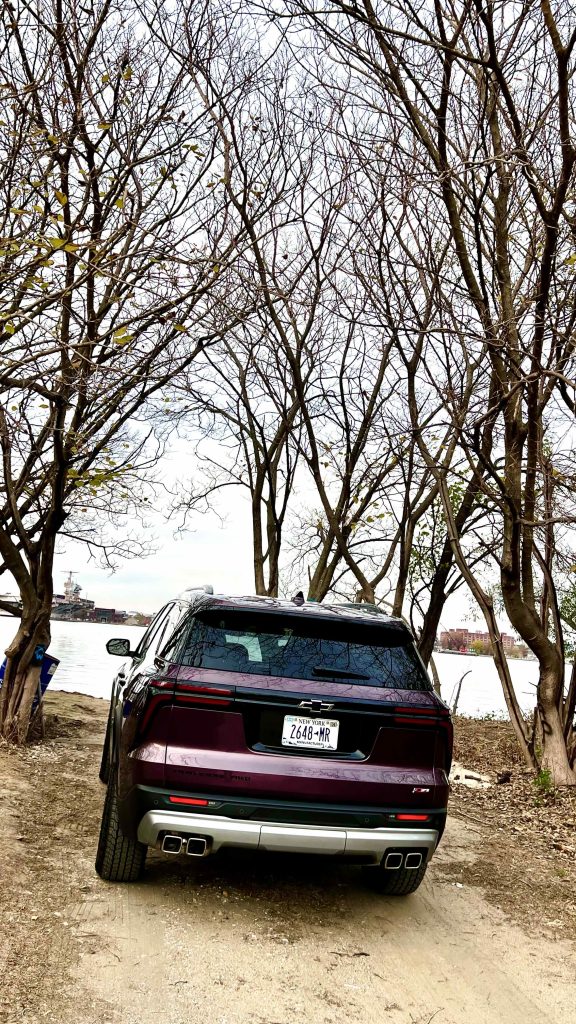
[(306, 707)]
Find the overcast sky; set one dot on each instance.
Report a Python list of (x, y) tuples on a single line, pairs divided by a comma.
[(215, 551)]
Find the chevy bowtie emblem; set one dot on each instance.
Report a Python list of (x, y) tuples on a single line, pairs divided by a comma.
[(316, 706)]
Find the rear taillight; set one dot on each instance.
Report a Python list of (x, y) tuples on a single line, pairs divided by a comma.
[(214, 695), (196, 693), (420, 716)]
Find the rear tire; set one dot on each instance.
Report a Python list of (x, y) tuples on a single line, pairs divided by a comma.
[(400, 882), (118, 859)]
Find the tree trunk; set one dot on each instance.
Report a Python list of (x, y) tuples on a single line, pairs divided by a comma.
[(258, 546), (555, 757), (436, 604), (435, 676)]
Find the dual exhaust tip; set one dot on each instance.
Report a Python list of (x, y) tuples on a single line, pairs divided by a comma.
[(196, 846), (395, 860)]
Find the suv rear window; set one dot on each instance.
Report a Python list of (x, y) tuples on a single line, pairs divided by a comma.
[(341, 651)]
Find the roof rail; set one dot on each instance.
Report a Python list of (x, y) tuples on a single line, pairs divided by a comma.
[(205, 588)]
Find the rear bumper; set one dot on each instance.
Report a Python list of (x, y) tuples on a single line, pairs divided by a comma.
[(221, 831)]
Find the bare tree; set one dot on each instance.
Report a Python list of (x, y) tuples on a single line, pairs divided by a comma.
[(244, 427), (482, 95), (112, 246)]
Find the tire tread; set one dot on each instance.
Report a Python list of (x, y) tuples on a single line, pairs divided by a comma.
[(400, 882), (118, 858)]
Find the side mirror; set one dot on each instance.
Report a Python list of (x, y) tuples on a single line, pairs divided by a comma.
[(119, 647)]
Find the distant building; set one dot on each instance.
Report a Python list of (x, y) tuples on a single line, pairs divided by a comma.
[(461, 639)]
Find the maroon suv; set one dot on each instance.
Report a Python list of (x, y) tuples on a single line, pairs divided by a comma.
[(277, 725)]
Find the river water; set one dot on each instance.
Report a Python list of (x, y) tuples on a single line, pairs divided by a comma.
[(86, 667)]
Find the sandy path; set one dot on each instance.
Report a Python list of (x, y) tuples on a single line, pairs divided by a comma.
[(279, 941), (241, 938)]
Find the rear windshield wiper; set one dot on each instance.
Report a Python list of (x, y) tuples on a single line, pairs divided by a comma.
[(341, 673)]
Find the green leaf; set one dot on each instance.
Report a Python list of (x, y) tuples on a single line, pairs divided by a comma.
[(9, 328), (121, 337)]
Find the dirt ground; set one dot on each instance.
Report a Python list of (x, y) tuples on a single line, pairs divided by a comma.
[(488, 939)]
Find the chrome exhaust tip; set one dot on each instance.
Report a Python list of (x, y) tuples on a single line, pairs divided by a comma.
[(197, 847), (393, 861), (172, 844), (413, 861)]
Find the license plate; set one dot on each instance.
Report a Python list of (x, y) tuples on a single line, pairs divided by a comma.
[(313, 733)]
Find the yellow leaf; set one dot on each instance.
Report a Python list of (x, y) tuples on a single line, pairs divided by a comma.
[(124, 339), (105, 79), (56, 243), (119, 203), (118, 333), (104, 125), (71, 247), (127, 74), (38, 209), (53, 138), (179, 327), (61, 197), (9, 328)]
